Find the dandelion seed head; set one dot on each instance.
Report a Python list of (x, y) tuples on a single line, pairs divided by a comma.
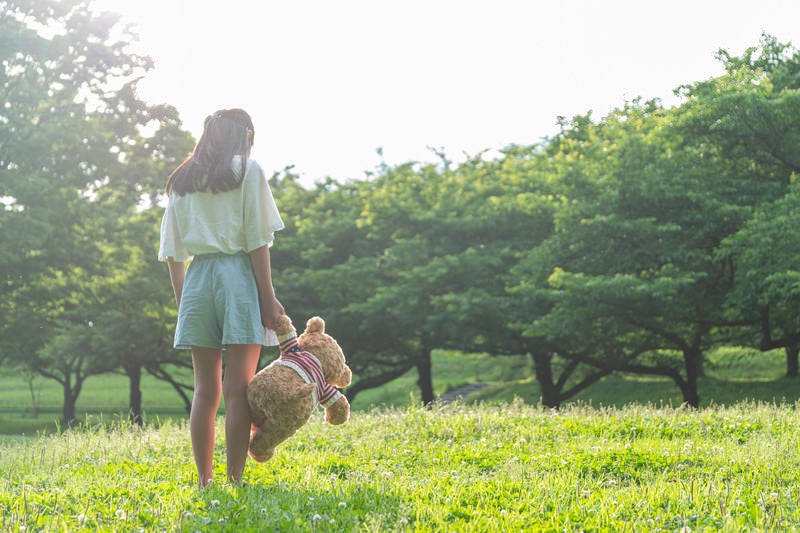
[(120, 514), (81, 519), (316, 518), (342, 505), (214, 503), (187, 514)]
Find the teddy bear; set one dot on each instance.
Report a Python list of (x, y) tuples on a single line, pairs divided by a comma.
[(283, 394)]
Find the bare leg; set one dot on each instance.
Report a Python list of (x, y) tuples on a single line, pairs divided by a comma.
[(207, 363), (240, 365)]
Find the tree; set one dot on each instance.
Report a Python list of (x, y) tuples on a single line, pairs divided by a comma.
[(767, 281), (752, 114), (70, 129), (652, 194), (632, 273)]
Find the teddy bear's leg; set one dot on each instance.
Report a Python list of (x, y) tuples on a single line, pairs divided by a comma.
[(261, 448), (283, 421), (338, 412)]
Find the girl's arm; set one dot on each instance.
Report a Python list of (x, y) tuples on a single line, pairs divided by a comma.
[(271, 308), (177, 273)]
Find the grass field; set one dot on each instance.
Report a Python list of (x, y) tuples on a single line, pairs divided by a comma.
[(504, 467), (618, 458), (733, 376)]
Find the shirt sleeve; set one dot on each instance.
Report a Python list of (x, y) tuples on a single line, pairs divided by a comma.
[(171, 244), (261, 216)]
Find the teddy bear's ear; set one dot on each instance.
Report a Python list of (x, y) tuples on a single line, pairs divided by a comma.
[(315, 325)]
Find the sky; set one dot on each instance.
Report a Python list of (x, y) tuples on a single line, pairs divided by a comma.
[(331, 83)]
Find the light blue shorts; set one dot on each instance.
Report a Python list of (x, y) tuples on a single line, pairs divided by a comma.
[(219, 303)]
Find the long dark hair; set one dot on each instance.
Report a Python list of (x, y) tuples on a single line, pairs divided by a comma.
[(226, 133)]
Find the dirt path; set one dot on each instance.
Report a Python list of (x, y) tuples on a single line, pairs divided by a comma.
[(460, 393)]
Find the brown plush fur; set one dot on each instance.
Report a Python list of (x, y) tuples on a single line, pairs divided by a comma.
[(281, 402)]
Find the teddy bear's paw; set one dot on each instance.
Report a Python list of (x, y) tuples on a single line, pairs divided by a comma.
[(262, 457), (338, 412)]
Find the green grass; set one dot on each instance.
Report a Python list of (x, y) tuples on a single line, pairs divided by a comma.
[(733, 375), (106, 394), (503, 467)]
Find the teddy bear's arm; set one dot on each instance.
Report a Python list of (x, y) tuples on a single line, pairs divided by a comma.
[(337, 411)]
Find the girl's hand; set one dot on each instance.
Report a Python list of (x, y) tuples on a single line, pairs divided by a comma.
[(270, 311)]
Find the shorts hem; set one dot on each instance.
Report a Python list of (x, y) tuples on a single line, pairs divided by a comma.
[(189, 346)]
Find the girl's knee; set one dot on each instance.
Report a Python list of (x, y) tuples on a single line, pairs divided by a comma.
[(234, 394), (208, 394)]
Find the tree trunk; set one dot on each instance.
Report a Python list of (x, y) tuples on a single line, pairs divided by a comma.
[(792, 352), (135, 394), (691, 358), (425, 373), (68, 409), (544, 375), (35, 398), (701, 366)]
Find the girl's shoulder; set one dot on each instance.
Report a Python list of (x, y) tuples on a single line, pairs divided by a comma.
[(251, 168)]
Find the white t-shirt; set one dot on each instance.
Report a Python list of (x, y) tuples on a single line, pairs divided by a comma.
[(230, 222)]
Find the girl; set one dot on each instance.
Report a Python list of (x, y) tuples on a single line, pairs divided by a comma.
[(221, 212)]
